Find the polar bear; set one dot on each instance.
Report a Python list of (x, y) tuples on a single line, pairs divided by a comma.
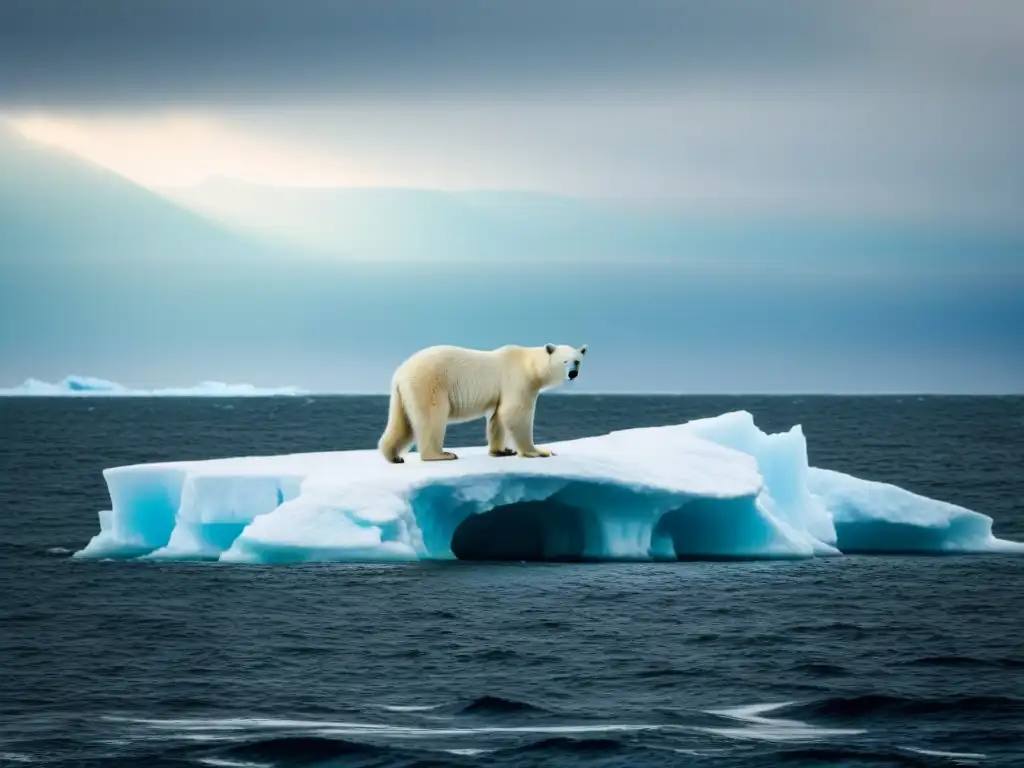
[(446, 384)]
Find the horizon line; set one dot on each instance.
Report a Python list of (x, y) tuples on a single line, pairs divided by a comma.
[(148, 394)]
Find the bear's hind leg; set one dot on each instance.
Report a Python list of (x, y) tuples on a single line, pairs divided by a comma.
[(398, 434), (430, 435)]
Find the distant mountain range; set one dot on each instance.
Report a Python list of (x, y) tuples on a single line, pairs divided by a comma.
[(503, 226), (56, 207), (94, 257)]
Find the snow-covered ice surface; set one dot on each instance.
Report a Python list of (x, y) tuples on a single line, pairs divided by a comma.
[(711, 488), (83, 386)]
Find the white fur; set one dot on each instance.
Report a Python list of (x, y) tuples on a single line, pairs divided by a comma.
[(445, 384)]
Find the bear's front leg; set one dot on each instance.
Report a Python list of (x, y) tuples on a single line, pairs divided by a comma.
[(430, 437), (536, 453), (521, 427)]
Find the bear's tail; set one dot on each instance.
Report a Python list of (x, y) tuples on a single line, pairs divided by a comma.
[(398, 434)]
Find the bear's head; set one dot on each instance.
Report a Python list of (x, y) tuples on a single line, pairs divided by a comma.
[(564, 361)]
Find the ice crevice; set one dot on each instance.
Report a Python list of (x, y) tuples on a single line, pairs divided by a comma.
[(716, 488)]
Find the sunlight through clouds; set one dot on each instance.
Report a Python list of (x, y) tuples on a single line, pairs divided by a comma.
[(180, 150)]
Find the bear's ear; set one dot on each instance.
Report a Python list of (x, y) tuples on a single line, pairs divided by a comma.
[(583, 349), (550, 348)]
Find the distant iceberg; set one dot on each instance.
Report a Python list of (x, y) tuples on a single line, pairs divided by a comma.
[(708, 489), (83, 386)]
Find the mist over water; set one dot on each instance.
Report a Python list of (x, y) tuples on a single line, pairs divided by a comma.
[(665, 328)]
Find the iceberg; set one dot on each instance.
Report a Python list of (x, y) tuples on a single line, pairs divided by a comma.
[(716, 488), (83, 386)]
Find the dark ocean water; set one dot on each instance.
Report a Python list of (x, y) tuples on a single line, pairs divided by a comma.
[(879, 661)]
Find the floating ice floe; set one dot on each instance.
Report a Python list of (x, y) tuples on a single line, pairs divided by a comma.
[(85, 386), (711, 488)]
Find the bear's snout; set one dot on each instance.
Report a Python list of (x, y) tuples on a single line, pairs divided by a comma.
[(573, 373)]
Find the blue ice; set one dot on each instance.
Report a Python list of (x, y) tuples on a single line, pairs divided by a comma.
[(707, 489)]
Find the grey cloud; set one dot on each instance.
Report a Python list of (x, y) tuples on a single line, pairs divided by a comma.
[(119, 52), (891, 108), (926, 158)]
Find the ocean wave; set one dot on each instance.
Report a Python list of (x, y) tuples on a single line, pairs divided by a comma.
[(440, 734), (567, 744), (497, 705), (1005, 662), (307, 750), (822, 669), (870, 705), (848, 756)]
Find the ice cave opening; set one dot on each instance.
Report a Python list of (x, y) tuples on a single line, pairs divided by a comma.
[(528, 531)]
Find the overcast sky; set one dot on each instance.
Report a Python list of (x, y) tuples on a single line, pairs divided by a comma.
[(901, 110), (808, 111)]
